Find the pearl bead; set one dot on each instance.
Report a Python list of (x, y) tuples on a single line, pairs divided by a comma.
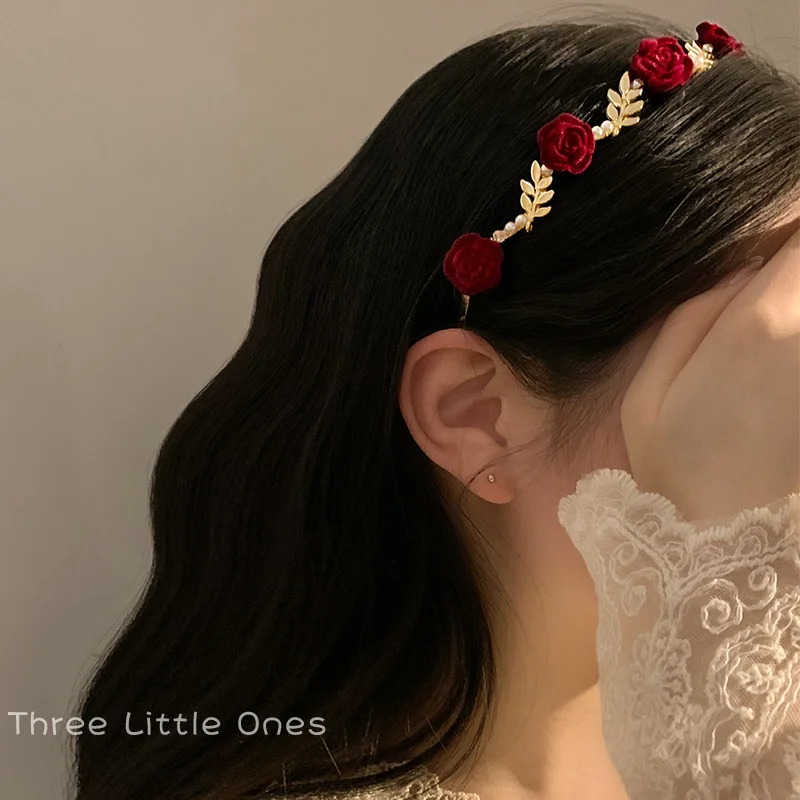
[(598, 132), (520, 220), (509, 226), (606, 126), (637, 84)]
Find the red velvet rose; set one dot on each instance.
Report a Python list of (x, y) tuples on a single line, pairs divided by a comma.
[(472, 264), (718, 38), (566, 144), (661, 64)]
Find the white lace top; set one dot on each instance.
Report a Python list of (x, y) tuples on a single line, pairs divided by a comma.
[(698, 645)]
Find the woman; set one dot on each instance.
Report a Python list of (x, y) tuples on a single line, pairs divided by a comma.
[(372, 526)]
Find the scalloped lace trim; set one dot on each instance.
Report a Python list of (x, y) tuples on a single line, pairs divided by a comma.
[(424, 786)]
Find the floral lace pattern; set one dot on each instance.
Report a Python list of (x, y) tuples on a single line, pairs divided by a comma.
[(423, 786), (698, 641), (698, 646)]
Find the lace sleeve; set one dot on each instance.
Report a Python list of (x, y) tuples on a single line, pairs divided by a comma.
[(698, 641)]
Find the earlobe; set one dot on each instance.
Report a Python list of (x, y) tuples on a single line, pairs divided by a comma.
[(494, 487), (452, 398)]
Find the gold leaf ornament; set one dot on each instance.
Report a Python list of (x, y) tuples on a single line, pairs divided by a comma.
[(622, 108), (526, 202), (536, 172), (527, 187), (702, 57), (634, 108)]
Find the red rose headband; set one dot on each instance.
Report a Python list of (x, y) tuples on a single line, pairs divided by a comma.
[(566, 144)]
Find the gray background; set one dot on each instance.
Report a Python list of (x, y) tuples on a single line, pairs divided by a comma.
[(149, 151)]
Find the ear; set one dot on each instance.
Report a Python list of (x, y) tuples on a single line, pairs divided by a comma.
[(460, 401)]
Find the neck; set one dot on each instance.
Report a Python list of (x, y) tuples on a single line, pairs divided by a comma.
[(545, 739)]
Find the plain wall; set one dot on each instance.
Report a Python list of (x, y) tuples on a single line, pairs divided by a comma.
[(149, 151)]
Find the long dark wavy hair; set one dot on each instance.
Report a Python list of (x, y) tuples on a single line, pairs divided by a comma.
[(305, 562)]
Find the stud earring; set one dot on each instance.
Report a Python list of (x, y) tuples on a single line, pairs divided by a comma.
[(490, 478)]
